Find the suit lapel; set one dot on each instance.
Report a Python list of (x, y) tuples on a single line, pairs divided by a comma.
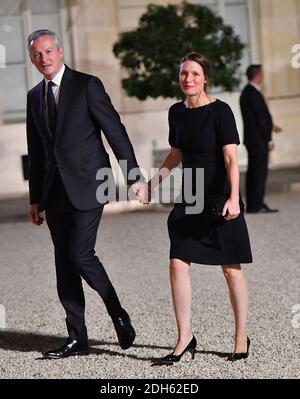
[(65, 96), (38, 103), (39, 110)]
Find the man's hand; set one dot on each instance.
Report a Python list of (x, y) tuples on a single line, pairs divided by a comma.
[(271, 145), (34, 215), (276, 129), (141, 191)]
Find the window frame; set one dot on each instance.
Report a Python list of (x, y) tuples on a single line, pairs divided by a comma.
[(30, 80), (252, 11)]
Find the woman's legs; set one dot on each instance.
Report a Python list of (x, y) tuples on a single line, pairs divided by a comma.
[(182, 301), (238, 294)]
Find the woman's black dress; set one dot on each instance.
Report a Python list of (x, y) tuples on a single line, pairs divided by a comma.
[(200, 133)]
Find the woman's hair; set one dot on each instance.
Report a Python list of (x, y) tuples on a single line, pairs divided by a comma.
[(203, 61)]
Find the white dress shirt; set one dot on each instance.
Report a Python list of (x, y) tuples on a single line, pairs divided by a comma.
[(57, 81), (255, 86)]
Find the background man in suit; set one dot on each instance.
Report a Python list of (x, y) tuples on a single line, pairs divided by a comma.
[(66, 113), (258, 127)]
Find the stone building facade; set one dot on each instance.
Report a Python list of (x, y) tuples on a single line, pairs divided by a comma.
[(89, 28)]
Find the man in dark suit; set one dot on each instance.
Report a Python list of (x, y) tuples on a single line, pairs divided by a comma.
[(66, 113), (258, 127)]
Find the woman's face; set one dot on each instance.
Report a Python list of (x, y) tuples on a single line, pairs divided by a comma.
[(191, 78)]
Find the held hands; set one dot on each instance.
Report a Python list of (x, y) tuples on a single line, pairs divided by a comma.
[(34, 215), (142, 192), (231, 209)]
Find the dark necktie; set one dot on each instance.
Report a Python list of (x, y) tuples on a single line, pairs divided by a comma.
[(52, 111)]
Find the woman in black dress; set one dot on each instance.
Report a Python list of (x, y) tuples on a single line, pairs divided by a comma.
[(203, 134)]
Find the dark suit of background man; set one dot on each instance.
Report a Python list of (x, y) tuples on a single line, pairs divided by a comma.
[(258, 127), (64, 123)]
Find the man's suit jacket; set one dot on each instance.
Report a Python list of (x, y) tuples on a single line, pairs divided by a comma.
[(84, 110), (256, 117)]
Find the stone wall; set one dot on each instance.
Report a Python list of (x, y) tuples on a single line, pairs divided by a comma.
[(94, 26)]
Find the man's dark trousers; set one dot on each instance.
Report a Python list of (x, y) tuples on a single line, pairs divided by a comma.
[(74, 235), (256, 176)]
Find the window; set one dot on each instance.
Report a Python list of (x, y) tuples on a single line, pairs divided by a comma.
[(17, 19), (236, 14)]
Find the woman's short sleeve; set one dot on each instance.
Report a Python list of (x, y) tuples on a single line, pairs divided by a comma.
[(228, 133), (172, 132)]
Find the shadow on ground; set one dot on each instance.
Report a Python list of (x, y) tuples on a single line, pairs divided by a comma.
[(22, 341)]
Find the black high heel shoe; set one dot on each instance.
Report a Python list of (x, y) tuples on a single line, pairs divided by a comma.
[(170, 359), (239, 355)]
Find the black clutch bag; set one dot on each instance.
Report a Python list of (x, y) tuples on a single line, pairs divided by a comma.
[(216, 202)]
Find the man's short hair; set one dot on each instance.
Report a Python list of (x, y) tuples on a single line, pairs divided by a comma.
[(42, 32), (253, 70)]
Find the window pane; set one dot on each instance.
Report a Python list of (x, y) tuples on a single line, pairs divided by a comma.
[(11, 31), (46, 22), (44, 14), (13, 89), (10, 7), (44, 6), (205, 2), (208, 3), (236, 2), (245, 62), (237, 17)]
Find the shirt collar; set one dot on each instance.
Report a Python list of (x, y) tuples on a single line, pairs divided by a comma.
[(255, 86), (58, 77)]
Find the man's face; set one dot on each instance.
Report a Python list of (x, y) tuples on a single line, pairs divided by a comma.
[(260, 76), (46, 56)]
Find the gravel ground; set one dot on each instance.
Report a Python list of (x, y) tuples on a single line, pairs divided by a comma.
[(134, 249)]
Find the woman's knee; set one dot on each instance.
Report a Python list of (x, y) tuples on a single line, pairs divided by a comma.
[(179, 266), (231, 272)]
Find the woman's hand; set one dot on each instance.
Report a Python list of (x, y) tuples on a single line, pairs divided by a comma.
[(231, 208)]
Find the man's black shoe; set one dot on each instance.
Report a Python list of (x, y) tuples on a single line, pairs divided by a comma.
[(124, 330), (71, 347), (267, 209), (263, 209), (251, 210)]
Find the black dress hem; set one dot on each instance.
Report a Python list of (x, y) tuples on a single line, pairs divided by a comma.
[(205, 262)]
